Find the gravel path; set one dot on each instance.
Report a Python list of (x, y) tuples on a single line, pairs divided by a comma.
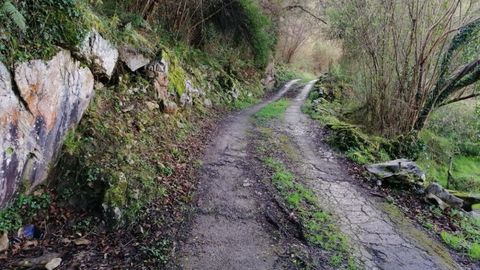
[(228, 230), (381, 242)]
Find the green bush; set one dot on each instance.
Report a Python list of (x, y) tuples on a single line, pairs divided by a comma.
[(49, 23), (404, 146), (456, 242), (21, 210), (257, 23), (469, 148)]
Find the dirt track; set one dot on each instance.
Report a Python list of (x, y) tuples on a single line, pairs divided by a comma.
[(229, 229), (382, 242)]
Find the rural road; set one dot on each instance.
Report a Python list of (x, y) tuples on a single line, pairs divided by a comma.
[(381, 243), (229, 229)]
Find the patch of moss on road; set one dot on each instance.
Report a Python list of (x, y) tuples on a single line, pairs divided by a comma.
[(318, 226), (272, 111)]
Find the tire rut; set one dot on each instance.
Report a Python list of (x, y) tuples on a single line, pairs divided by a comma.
[(229, 229), (380, 242)]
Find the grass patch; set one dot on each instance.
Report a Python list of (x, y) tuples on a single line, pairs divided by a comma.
[(272, 110), (22, 210), (435, 159), (243, 103), (320, 227)]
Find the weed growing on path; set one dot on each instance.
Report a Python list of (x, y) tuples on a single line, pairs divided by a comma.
[(272, 110), (319, 226)]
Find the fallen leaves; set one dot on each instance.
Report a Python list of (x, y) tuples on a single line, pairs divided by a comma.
[(4, 242)]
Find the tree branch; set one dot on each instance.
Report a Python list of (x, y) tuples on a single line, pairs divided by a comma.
[(306, 11), (459, 99)]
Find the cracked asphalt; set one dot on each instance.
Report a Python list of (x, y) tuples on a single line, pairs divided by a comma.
[(229, 229), (380, 243)]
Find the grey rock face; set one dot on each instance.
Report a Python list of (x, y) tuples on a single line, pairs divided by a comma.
[(401, 172), (157, 71), (442, 197), (52, 97), (133, 59), (190, 94), (99, 53)]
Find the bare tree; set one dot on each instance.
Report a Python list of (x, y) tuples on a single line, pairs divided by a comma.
[(414, 56)]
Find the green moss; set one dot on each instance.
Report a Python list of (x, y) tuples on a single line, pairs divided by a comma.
[(421, 238), (116, 195), (272, 110), (474, 252), (176, 74), (9, 152)]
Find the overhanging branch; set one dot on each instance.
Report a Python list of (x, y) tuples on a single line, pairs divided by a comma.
[(302, 8), (459, 99)]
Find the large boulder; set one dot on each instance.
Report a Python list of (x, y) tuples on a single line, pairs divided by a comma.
[(52, 97), (99, 54), (133, 58), (157, 71), (399, 172), (437, 194), (469, 199), (268, 81)]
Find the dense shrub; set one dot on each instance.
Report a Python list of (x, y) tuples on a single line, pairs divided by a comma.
[(49, 23), (404, 146)]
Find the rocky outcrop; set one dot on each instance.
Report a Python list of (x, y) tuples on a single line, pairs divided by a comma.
[(133, 59), (438, 195), (469, 199), (157, 71), (190, 94), (269, 80), (47, 99), (401, 172), (99, 54)]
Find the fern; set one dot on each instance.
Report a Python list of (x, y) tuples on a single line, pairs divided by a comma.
[(14, 14)]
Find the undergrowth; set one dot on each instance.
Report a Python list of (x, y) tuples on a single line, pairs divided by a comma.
[(48, 24), (22, 210), (466, 239)]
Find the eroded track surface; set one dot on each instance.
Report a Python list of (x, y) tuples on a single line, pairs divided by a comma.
[(381, 241), (228, 230)]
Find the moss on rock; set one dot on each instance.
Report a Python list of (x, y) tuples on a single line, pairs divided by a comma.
[(116, 195)]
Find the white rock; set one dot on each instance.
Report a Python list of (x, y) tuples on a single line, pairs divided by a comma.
[(54, 263), (152, 105), (4, 242), (99, 53), (54, 95), (208, 103), (132, 58)]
